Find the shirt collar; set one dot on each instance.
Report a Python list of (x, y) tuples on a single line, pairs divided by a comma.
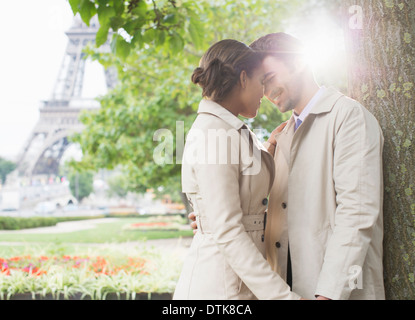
[(310, 105), (209, 106)]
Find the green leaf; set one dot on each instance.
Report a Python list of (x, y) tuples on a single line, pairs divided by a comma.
[(176, 43), (102, 35), (120, 47), (118, 5), (116, 23), (160, 37), (141, 9), (74, 6), (196, 32), (170, 18), (133, 25), (137, 39), (87, 10), (149, 35), (105, 14)]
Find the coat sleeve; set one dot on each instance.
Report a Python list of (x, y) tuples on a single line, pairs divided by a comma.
[(358, 181), (219, 190), (270, 148)]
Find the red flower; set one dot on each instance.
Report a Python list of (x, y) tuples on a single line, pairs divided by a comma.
[(98, 265)]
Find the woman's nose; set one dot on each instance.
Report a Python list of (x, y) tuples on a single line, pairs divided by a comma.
[(266, 91)]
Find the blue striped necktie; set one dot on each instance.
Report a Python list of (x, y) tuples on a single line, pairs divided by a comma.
[(297, 124)]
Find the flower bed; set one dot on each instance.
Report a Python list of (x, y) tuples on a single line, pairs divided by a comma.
[(80, 296), (37, 266), (152, 226), (161, 223), (137, 276)]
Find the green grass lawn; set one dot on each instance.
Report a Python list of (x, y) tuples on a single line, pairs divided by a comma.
[(103, 233)]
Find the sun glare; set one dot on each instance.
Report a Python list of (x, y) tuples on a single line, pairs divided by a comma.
[(323, 40)]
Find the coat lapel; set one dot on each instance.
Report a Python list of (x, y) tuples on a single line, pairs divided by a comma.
[(258, 149), (211, 107), (326, 102), (323, 105), (284, 139)]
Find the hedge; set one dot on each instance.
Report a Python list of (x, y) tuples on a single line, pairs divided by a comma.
[(14, 223)]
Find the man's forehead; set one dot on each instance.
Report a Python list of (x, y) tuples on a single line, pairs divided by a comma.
[(271, 64)]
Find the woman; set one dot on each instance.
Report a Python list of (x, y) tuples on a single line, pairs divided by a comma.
[(227, 175)]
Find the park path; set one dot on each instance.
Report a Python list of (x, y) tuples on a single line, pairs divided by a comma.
[(177, 246)]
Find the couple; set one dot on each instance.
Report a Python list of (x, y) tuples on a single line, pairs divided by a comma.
[(319, 236)]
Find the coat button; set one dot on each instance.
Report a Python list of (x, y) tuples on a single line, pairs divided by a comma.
[(278, 245), (284, 205), (265, 201)]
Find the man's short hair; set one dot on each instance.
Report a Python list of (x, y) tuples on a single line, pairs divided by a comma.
[(280, 45)]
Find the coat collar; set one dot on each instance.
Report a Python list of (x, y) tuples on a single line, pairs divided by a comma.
[(327, 101), (211, 107), (323, 105), (208, 106)]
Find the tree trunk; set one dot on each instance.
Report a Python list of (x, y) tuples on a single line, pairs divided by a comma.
[(380, 42)]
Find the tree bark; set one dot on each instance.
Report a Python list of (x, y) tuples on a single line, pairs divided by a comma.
[(380, 42)]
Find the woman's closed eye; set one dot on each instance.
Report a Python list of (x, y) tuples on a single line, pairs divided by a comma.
[(268, 79)]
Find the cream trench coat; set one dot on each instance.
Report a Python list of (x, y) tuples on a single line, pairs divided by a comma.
[(228, 192), (326, 202)]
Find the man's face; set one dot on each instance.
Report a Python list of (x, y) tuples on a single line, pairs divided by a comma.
[(282, 85)]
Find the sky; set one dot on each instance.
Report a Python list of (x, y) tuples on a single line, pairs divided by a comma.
[(33, 45)]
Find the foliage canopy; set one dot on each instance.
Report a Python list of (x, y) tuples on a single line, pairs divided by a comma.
[(155, 47)]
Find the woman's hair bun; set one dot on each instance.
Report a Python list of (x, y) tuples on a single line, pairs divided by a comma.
[(197, 74), (221, 65), (216, 79)]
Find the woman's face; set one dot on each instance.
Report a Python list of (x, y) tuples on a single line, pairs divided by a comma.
[(252, 93)]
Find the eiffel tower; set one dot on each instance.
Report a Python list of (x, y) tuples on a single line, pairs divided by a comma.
[(59, 116)]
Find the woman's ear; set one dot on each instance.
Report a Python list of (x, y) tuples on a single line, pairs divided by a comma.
[(242, 79)]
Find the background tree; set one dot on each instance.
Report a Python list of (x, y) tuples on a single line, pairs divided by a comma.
[(155, 58), (381, 49), (6, 167), (81, 184), (118, 186)]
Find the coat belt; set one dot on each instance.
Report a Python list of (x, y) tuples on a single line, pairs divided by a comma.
[(251, 222)]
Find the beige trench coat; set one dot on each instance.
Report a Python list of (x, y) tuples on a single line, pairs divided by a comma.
[(228, 192), (326, 202)]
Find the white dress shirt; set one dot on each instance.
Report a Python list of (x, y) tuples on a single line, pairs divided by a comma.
[(309, 106), (305, 112)]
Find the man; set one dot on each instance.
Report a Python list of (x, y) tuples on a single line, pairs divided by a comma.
[(324, 228)]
